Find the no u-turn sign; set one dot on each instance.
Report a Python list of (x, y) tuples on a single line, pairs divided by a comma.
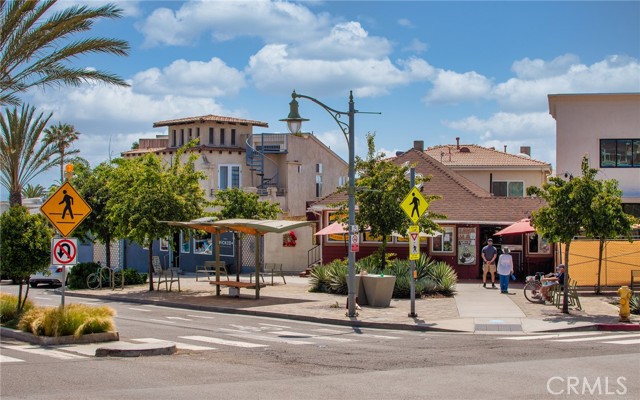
[(64, 251)]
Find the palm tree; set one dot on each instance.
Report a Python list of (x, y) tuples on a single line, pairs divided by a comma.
[(61, 136), (33, 191), (21, 156), (36, 50)]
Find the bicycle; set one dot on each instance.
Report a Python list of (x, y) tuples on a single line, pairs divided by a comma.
[(533, 288), (105, 277)]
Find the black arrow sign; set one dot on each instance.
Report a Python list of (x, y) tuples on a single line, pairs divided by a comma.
[(66, 251)]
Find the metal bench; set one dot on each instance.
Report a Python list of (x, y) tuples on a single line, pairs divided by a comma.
[(273, 269), (212, 267)]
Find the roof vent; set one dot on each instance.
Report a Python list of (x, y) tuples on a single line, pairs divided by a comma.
[(464, 150)]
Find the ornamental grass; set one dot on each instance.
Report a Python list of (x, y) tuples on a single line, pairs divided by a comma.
[(73, 319)]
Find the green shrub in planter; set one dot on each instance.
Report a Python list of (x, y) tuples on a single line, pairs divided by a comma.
[(338, 272), (9, 307), (133, 277), (78, 276)]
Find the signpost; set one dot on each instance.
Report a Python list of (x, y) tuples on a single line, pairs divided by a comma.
[(414, 205)]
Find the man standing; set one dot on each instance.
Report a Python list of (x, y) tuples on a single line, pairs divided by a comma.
[(489, 254)]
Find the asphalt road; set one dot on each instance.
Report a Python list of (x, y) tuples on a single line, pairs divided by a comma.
[(228, 356)]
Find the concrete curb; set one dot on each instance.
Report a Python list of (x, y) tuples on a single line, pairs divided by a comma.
[(618, 327), (58, 340), (136, 350)]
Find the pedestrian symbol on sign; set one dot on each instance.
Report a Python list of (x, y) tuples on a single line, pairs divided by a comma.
[(68, 201)]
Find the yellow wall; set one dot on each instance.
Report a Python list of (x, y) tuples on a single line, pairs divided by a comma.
[(619, 258)]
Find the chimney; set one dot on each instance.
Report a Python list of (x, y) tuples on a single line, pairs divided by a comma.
[(525, 150), (505, 148), (418, 145), (458, 143)]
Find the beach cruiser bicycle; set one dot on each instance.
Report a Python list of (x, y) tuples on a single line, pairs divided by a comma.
[(533, 288)]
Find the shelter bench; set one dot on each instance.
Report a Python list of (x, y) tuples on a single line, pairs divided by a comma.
[(237, 285)]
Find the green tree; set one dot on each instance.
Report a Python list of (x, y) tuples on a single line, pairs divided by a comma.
[(61, 136), (236, 203), (33, 191), (22, 157), (144, 191), (606, 218), (37, 46), (25, 241), (382, 185)]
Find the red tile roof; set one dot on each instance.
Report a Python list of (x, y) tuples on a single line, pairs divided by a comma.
[(210, 118), (471, 155), (462, 200)]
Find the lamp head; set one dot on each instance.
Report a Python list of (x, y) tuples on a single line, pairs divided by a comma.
[(294, 120)]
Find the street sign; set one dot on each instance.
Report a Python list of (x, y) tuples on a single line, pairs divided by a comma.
[(66, 209), (64, 251), (414, 242), (414, 205), (355, 243)]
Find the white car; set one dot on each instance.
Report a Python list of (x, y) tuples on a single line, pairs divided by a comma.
[(52, 276)]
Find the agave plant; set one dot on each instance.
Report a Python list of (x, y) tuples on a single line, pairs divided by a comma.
[(338, 271), (446, 278), (319, 279), (634, 304)]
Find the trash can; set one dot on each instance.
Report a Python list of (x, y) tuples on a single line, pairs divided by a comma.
[(378, 289)]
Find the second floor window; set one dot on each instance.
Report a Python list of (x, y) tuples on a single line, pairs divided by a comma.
[(222, 136), (233, 137), (619, 153), (173, 139), (210, 135), (318, 185), (228, 176), (508, 188), (181, 142)]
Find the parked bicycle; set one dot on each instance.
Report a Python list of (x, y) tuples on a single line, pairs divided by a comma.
[(533, 288), (106, 277)]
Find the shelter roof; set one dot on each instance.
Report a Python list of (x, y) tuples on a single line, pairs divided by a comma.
[(210, 118), (248, 226)]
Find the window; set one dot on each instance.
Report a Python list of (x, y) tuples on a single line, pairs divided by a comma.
[(173, 139), (233, 137), (343, 180), (181, 142), (164, 244), (222, 136), (210, 135), (337, 237), (319, 168), (444, 242), (190, 134), (228, 176), (185, 242), (202, 243), (538, 244), (508, 188), (197, 132), (619, 153), (318, 185)]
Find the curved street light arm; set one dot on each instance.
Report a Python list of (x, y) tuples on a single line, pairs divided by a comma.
[(335, 114)]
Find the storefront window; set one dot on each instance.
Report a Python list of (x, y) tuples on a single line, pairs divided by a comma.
[(538, 244), (185, 242), (443, 243), (202, 243), (164, 244)]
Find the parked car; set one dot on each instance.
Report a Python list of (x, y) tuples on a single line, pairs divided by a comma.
[(52, 276)]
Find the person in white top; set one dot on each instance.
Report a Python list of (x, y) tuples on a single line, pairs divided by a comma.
[(504, 270)]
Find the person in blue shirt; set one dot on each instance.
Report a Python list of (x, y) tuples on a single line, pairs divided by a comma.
[(489, 254), (553, 279)]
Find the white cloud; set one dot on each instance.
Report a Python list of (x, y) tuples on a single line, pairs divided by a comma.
[(416, 46), (191, 78), (453, 87), (224, 20), (504, 125), (405, 22), (528, 69)]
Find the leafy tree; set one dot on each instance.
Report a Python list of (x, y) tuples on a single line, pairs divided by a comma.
[(382, 185), (38, 45), (144, 191), (61, 136), (25, 241), (33, 191), (22, 157), (606, 218), (581, 204), (236, 203)]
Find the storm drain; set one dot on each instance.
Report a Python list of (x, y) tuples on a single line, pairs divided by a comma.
[(498, 327)]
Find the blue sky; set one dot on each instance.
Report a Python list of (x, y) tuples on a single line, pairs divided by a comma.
[(476, 70)]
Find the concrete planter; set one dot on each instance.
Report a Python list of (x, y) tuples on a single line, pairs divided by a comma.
[(379, 289), (58, 340)]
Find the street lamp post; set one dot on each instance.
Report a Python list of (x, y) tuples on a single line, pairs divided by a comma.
[(294, 123)]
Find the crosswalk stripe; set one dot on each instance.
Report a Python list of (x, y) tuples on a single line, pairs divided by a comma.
[(224, 342), (276, 326), (138, 309), (161, 320), (550, 335), (4, 359), (296, 335), (86, 349), (44, 351), (180, 318), (179, 345), (200, 316), (627, 336), (265, 338), (632, 341)]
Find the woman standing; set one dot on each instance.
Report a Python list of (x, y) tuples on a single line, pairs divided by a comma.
[(505, 269)]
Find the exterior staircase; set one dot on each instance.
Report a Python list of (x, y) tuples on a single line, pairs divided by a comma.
[(257, 147)]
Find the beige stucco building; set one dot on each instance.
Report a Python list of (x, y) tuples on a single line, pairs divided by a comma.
[(606, 127)]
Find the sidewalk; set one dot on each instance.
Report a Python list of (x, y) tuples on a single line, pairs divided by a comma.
[(473, 309)]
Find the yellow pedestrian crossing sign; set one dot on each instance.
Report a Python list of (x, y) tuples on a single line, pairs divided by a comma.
[(66, 209), (414, 205)]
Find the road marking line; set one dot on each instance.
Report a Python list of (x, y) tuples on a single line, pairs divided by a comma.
[(179, 345), (45, 352), (200, 316), (180, 318), (161, 320), (550, 335), (276, 326), (138, 309), (4, 359), (208, 339), (85, 349), (357, 334), (627, 336), (244, 335), (632, 341), (296, 335)]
